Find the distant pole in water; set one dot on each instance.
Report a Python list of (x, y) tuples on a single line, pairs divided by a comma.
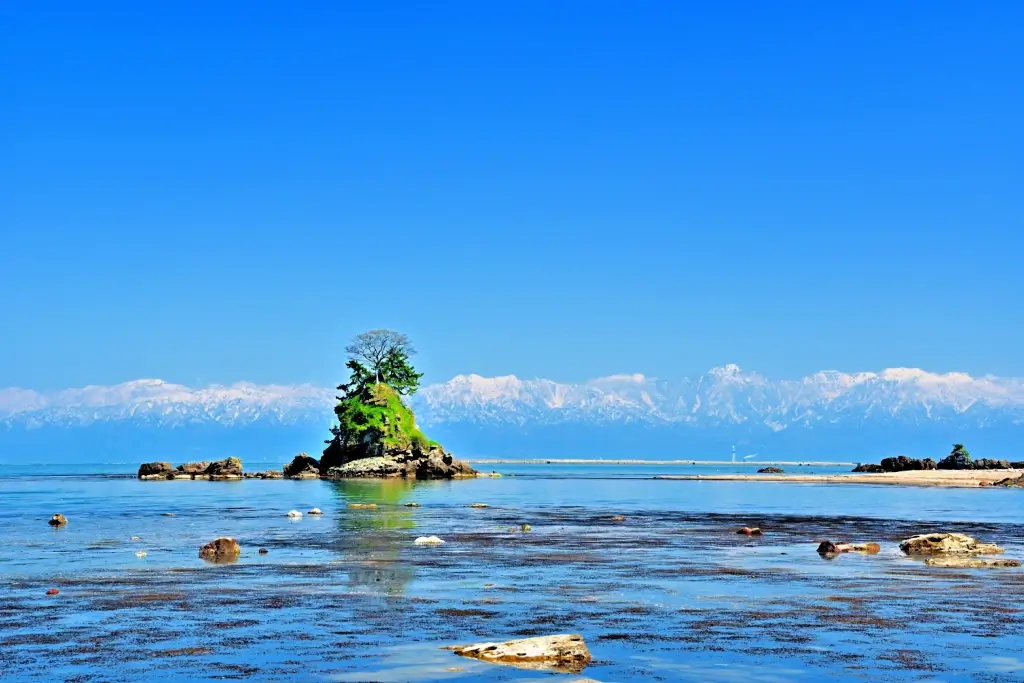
[(734, 454)]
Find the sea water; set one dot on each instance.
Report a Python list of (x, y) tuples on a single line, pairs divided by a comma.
[(670, 593)]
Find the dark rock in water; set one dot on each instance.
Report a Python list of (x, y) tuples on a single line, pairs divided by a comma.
[(771, 470), (989, 464), (263, 551), (302, 466), (750, 531), (194, 467), (827, 548), (440, 465), (58, 520), (156, 470), (870, 468), (228, 468), (52, 591), (221, 550)]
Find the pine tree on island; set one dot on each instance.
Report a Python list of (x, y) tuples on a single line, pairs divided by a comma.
[(376, 433)]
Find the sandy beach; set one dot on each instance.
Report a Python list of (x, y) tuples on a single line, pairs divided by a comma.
[(949, 478)]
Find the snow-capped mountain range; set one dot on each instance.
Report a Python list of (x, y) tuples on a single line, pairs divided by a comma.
[(490, 414), (723, 396)]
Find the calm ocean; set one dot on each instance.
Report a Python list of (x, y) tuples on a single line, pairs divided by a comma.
[(672, 593)]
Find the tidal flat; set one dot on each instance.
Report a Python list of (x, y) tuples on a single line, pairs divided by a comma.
[(670, 593)]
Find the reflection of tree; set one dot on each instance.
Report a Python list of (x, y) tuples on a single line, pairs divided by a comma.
[(374, 538)]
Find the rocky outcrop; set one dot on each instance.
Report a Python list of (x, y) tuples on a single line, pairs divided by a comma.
[(302, 466), (771, 470), (1011, 481), (221, 550), (194, 467), (58, 520), (989, 464), (156, 470), (900, 463), (947, 544), (407, 463), (228, 468), (566, 653)]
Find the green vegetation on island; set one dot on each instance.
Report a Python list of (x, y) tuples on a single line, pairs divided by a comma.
[(375, 428)]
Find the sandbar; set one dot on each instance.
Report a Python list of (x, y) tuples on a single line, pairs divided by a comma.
[(947, 478)]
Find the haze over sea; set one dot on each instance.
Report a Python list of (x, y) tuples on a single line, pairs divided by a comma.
[(671, 593)]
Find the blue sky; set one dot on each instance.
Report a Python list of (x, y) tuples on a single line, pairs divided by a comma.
[(213, 192)]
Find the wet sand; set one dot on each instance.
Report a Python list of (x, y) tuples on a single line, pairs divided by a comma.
[(627, 461), (947, 478)]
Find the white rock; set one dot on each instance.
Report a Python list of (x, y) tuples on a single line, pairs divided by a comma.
[(294, 514), (315, 511), (141, 553), (561, 652), (428, 540)]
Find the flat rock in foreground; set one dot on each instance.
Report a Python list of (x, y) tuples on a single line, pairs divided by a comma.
[(947, 544), (566, 653), (970, 562)]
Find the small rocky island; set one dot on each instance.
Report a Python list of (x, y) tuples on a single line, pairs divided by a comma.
[(375, 436), (958, 459)]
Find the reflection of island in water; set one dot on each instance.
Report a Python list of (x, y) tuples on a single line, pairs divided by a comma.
[(375, 537)]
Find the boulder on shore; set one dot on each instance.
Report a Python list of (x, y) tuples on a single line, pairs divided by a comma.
[(869, 468), (566, 653), (156, 470), (990, 464), (947, 544), (221, 550), (302, 466)]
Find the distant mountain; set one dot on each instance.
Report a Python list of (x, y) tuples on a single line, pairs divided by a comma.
[(827, 414)]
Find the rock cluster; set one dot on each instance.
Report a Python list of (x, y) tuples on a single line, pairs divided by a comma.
[(898, 464), (229, 468), (771, 470)]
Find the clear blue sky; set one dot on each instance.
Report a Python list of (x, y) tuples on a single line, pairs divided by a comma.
[(213, 192)]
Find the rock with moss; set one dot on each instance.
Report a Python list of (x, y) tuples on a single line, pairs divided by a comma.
[(377, 436)]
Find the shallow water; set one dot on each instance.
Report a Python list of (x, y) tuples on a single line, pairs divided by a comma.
[(672, 593)]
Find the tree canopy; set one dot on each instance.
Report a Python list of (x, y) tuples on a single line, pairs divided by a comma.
[(381, 356)]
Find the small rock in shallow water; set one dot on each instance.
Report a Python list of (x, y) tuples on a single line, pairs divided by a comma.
[(263, 551), (136, 538), (479, 505), (412, 505), (566, 653), (428, 540), (618, 518), (314, 511), (970, 562), (750, 531), (52, 591), (525, 527), (830, 548), (363, 506), (947, 544), (221, 550), (294, 514), (58, 520), (141, 553), (827, 548), (168, 514)]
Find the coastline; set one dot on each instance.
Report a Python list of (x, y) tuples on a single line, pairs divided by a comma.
[(933, 478), (628, 461)]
